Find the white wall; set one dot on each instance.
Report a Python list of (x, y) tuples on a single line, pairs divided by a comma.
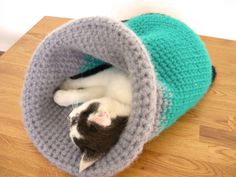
[(207, 17)]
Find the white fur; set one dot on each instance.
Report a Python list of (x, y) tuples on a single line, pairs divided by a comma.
[(111, 83), (111, 88), (69, 97)]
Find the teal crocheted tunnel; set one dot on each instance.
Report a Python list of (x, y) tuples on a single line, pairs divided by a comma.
[(181, 62), (168, 64)]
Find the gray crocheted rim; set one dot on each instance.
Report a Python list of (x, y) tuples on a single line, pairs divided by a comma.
[(58, 57)]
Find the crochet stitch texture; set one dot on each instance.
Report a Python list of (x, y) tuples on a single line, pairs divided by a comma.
[(170, 72)]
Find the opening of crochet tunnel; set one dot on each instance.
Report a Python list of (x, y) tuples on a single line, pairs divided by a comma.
[(78, 48)]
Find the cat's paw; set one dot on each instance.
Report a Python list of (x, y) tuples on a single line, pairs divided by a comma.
[(67, 84), (60, 97)]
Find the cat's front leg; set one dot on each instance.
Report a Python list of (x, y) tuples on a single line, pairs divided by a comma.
[(70, 84), (102, 78), (70, 97), (81, 83)]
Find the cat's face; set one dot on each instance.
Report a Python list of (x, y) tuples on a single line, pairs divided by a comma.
[(94, 131)]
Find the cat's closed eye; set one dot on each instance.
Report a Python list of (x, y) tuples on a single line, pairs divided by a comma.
[(74, 121), (92, 127)]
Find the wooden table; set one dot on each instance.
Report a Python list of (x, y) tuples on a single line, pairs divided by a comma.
[(202, 143)]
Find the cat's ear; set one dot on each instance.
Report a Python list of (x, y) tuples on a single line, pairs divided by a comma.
[(88, 158)]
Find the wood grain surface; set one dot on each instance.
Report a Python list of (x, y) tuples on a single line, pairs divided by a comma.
[(202, 143)]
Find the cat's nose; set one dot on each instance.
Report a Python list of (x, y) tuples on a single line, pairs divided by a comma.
[(101, 114)]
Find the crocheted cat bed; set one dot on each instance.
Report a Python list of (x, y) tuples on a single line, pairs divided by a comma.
[(169, 67)]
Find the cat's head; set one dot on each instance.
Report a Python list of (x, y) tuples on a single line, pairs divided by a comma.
[(94, 131)]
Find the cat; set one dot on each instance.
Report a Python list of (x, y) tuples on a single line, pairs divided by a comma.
[(96, 125)]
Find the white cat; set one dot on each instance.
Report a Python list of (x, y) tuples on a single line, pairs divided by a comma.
[(97, 123)]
